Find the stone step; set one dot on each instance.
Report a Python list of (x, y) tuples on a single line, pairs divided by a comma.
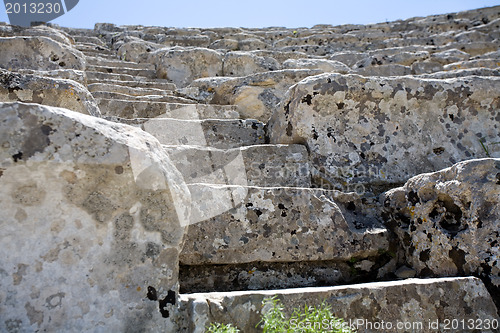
[(140, 109), (99, 61), (95, 53), (106, 96), (233, 224), (217, 133), (261, 165), (149, 73), (132, 91), (90, 48), (413, 305), (88, 39), (104, 76), (158, 84)]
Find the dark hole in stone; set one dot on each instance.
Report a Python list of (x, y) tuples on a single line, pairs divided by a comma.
[(109, 70), (119, 170), (54, 57), (307, 99), (362, 155), (62, 64), (258, 212), (281, 206), (151, 295), (46, 129), (283, 214), (425, 255), (249, 205), (340, 105), (351, 206), (438, 150), (458, 257), (434, 213), (451, 117), (17, 157), (413, 198), (451, 220), (289, 129), (169, 299), (498, 178)]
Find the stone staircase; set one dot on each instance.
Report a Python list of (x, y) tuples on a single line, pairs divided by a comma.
[(284, 169)]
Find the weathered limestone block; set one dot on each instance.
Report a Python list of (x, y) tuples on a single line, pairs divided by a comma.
[(280, 56), (260, 165), (255, 95), (461, 73), (218, 133), (48, 91), (321, 64), (479, 63), (225, 44), (67, 74), (38, 53), (425, 67), (448, 221), (92, 217), (246, 63), (38, 31), (426, 305), (280, 225), (138, 109), (401, 58), (176, 40), (384, 70), (374, 131), (350, 58), (183, 65), (137, 50), (251, 44)]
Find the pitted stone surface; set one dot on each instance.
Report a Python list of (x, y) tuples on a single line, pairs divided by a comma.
[(183, 65), (358, 129), (48, 91), (93, 215), (217, 133), (246, 63), (411, 301), (39, 53), (279, 225), (255, 95), (448, 221), (261, 165)]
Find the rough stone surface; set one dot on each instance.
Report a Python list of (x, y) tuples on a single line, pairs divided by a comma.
[(357, 128), (48, 91), (92, 217), (39, 53), (280, 224), (321, 64), (448, 221), (183, 65), (261, 165), (411, 301), (217, 133), (255, 95), (246, 63)]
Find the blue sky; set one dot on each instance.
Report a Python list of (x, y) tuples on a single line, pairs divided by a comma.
[(253, 13)]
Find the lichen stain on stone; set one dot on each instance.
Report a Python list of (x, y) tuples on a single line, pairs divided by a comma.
[(17, 277), (35, 317), (54, 301), (29, 195), (99, 206)]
